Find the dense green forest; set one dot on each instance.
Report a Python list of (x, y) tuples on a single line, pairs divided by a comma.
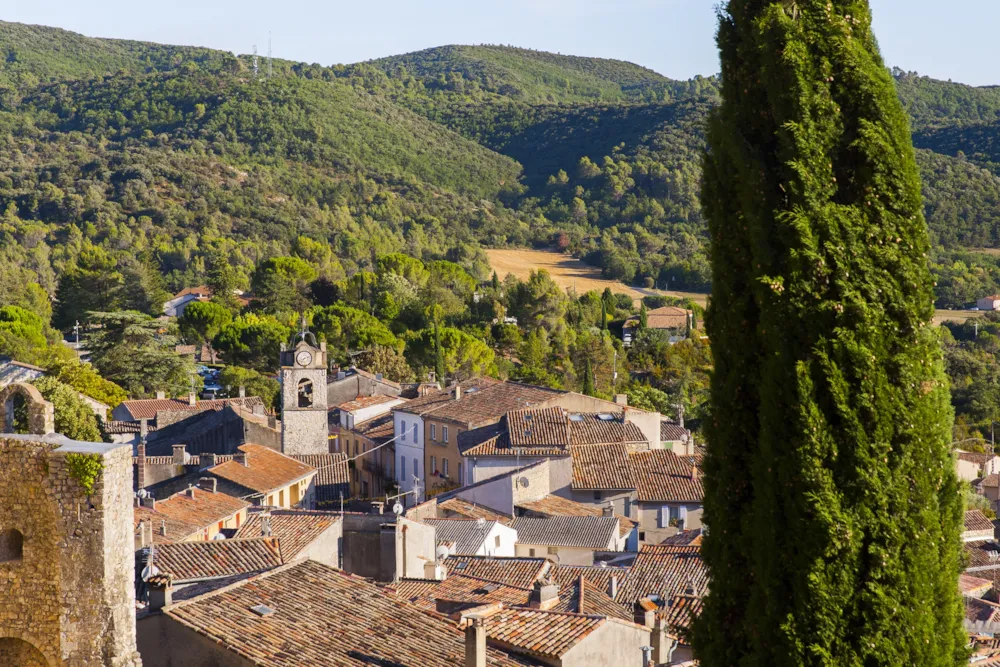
[(130, 170)]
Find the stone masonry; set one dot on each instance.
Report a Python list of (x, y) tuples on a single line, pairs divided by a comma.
[(66, 557)]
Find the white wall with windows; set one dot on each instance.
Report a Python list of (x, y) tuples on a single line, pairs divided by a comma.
[(408, 429)]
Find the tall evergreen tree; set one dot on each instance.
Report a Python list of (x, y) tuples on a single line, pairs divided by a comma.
[(588, 379), (830, 496), (643, 316), (439, 371)]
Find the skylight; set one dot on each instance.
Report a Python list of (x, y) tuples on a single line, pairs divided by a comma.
[(261, 610), (576, 418), (605, 417)]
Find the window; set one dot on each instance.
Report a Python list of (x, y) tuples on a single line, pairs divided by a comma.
[(434, 465), (531, 553), (553, 551), (11, 545), (444, 467), (434, 432), (461, 478), (597, 495), (281, 498), (305, 393), (416, 467), (642, 536), (414, 433), (497, 541), (444, 434), (402, 468), (403, 429), (664, 521)]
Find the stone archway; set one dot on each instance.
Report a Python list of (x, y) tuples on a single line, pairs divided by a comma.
[(41, 414), (19, 652)]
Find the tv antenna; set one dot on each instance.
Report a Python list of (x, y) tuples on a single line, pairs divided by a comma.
[(255, 62)]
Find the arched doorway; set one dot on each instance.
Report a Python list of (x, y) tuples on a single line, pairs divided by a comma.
[(24, 409), (21, 653)]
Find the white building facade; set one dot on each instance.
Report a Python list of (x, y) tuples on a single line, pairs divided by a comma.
[(408, 430)]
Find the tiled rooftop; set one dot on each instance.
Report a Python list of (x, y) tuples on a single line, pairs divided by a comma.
[(461, 588), (589, 428), (176, 531), (470, 510), (558, 506), (580, 596), (982, 555), (979, 458), (975, 520), (377, 429), (483, 400), (667, 317), (680, 611), (332, 477), (589, 532), (296, 529), (193, 561), (522, 572), (265, 471), (664, 571), (685, 538), (362, 402), (546, 634), (602, 467), (189, 512), (322, 616), (672, 431), (115, 427), (970, 585), (981, 611), (661, 475), (146, 408), (467, 534)]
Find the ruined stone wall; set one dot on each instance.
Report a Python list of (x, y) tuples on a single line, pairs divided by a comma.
[(70, 594)]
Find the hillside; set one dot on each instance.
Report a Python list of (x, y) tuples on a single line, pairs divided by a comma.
[(29, 53)]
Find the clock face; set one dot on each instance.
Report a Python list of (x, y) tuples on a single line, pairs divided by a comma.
[(303, 358)]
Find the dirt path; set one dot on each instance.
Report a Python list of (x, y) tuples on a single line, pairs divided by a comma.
[(570, 273)]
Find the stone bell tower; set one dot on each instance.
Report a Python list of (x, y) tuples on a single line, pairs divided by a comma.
[(304, 425)]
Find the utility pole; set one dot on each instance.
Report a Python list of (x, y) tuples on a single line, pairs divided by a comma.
[(76, 330), (254, 62)]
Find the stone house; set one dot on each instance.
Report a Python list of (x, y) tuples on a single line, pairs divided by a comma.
[(175, 306), (975, 465), (164, 411), (371, 475), (989, 302), (669, 319), (570, 540)]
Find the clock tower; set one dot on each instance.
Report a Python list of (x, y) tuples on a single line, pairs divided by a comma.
[(304, 423)]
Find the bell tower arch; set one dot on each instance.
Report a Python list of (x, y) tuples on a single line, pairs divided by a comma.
[(304, 423)]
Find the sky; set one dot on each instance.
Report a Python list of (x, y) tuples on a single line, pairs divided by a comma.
[(946, 40)]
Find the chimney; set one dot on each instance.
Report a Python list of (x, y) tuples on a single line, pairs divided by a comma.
[(621, 399), (609, 510), (192, 398), (694, 472), (149, 502), (663, 644), (243, 392), (160, 591), (458, 391), (208, 484), (647, 656), (143, 430), (475, 641), (265, 524), (644, 613), (206, 461), (140, 466), (189, 492), (161, 395), (544, 595), (163, 526), (613, 586), (272, 422), (258, 410), (242, 458), (180, 455)]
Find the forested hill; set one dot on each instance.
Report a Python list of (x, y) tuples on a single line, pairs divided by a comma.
[(150, 160)]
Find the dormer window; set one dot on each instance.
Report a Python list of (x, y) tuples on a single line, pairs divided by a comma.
[(305, 393)]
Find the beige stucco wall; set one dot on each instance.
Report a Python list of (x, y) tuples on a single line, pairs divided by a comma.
[(649, 517), (611, 644), (966, 470), (567, 555)]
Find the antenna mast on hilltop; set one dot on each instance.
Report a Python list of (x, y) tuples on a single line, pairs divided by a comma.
[(269, 70), (255, 62)]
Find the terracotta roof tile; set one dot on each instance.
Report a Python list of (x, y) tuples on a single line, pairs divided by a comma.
[(672, 431), (663, 571), (296, 529), (521, 572), (266, 469), (602, 467), (979, 458), (975, 586), (321, 616), (680, 611), (550, 506), (377, 429), (667, 317), (463, 589), (598, 428), (165, 529), (332, 477), (685, 538), (975, 520), (981, 611), (194, 561), (116, 427), (469, 510), (982, 555), (189, 512), (589, 532), (483, 401), (580, 596), (661, 475), (547, 634), (147, 408), (362, 402)]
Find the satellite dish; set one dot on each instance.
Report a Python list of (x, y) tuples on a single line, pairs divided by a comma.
[(480, 522), (142, 493), (397, 509), (442, 552), (524, 482), (219, 536), (684, 438)]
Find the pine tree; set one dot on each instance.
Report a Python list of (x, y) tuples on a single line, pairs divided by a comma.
[(831, 501)]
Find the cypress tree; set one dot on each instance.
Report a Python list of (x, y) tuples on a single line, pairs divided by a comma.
[(588, 379), (643, 317), (604, 315), (438, 353), (830, 496)]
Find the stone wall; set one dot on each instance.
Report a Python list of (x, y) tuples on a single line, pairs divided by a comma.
[(70, 595)]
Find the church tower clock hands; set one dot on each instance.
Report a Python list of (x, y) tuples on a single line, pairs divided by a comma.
[(304, 424)]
